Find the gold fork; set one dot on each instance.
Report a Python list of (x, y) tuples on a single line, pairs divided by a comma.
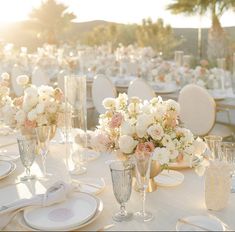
[(192, 224)]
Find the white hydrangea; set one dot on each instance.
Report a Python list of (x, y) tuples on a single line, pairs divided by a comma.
[(161, 155)]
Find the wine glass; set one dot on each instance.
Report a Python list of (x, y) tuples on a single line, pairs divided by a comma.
[(228, 150), (214, 144), (143, 162), (43, 134), (27, 149), (121, 173)]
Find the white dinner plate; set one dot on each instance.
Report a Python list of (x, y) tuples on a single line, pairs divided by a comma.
[(169, 178), (90, 185), (207, 222), (5, 168), (72, 213)]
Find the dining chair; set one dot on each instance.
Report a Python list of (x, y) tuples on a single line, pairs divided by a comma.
[(102, 88), (140, 88), (198, 112)]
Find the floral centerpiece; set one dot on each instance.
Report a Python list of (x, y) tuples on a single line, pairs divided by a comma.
[(39, 106), (134, 126)]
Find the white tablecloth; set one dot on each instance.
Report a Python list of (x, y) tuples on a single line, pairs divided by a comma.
[(166, 204)]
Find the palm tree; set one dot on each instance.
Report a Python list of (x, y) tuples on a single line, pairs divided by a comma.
[(51, 19), (217, 41)]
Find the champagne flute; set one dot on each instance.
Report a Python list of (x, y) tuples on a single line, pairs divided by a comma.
[(121, 173), (27, 149), (143, 162), (43, 134), (214, 144)]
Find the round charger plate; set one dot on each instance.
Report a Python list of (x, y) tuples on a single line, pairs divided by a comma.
[(9, 156), (72, 213), (169, 178), (6, 168), (209, 223), (90, 185)]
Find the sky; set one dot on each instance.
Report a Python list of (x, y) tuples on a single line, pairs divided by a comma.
[(121, 11)]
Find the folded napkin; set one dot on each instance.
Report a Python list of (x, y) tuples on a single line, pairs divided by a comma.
[(57, 193)]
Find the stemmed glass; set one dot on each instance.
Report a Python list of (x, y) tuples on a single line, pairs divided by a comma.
[(121, 173), (228, 150), (43, 134), (214, 144), (142, 167), (27, 149)]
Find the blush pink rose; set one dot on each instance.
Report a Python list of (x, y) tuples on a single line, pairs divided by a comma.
[(144, 148), (30, 124), (116, 120), (204, 63)]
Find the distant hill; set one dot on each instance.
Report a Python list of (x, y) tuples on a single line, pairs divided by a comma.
[(19, 34)]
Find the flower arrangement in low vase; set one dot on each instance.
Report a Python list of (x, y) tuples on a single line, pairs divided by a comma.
[(39, 106), (132, 126)]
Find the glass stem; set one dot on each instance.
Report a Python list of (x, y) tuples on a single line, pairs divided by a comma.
[(28, 171), (44, 164), (123, 209), (143, 193)]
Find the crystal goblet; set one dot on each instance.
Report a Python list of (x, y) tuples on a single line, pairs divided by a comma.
[(121, 173)]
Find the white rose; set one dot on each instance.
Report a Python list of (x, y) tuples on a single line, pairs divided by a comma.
[(127, 129), (5, 76), (40, 108), (127, 144), (142, 124), (29, 102), (172, 105), (161, 155), (4, 91), (155, 131), (22, 80), (166, 140), (20, 116), (45, 91), (109, 103), (32, 115)]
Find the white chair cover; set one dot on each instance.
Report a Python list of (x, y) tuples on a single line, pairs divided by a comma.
[(139, 88), (15, 72), (39, 77), (102, 88), (197, 109)]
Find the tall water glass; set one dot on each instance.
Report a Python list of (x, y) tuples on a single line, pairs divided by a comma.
[(121, 173), (43, 134), (75, 98), (214, 144), (228, 149), (27, 149), (142, 177)]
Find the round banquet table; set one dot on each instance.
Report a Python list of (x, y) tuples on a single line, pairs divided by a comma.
[(167, 204)]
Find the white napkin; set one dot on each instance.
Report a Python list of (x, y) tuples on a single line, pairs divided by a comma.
[(57, 193)]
